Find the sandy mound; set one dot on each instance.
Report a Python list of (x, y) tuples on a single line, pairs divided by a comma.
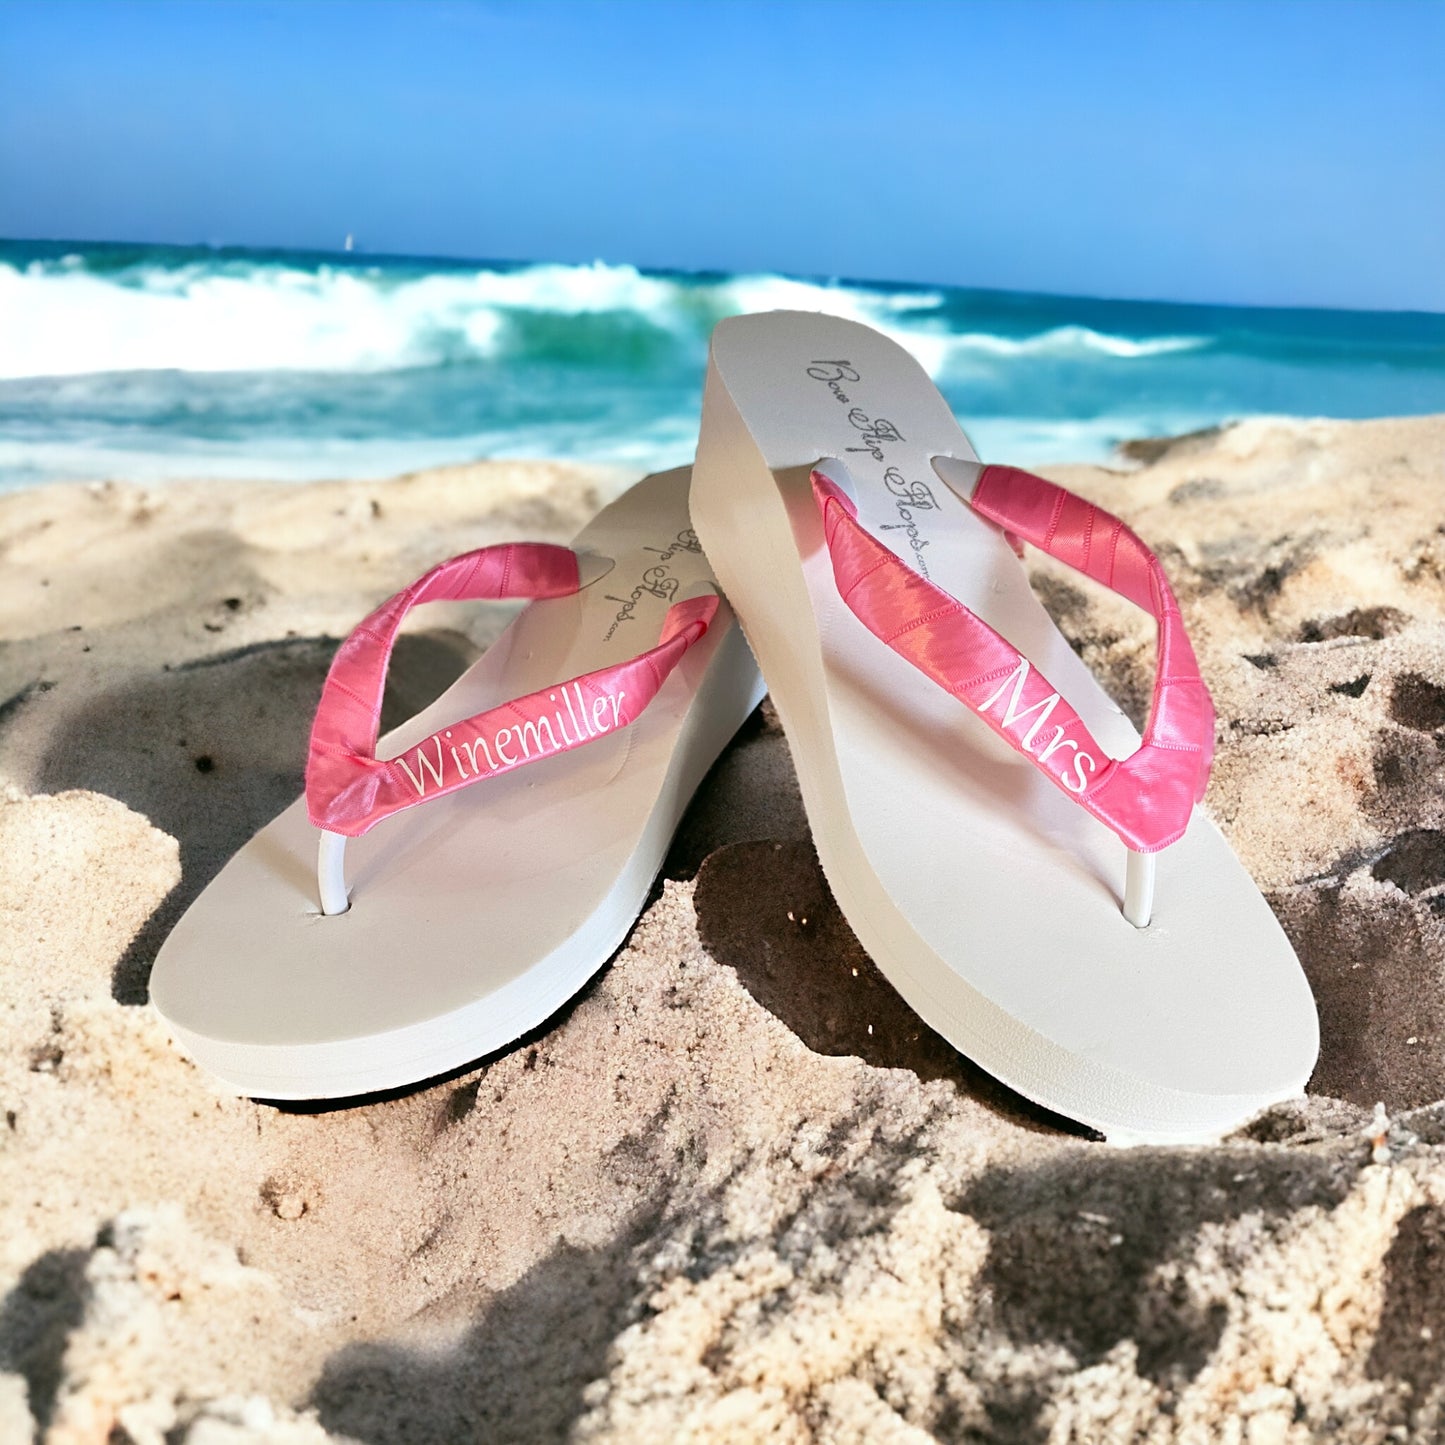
[(735, 1191)]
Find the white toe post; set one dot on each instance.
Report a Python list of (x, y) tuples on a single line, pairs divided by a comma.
[(958, 474), (331, 874), (836, 471), (1139, 888)]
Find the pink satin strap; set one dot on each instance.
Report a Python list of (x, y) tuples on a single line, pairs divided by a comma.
[(1146, 798), (349, 789)]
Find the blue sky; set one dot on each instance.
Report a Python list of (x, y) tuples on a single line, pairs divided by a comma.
[(1286, 153)]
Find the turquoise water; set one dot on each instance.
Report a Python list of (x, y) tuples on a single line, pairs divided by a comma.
[(143, 362)]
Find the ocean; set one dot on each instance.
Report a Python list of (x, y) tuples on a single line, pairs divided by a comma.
[(145, 362)]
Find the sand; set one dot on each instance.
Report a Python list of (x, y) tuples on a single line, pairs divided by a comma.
[(734, 1192)]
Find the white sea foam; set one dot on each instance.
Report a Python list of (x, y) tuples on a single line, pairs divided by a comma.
[(878, 309), (274, 319), (60, 319), (1065, 342)]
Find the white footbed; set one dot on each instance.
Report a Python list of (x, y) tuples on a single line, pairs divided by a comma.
[(476, 915), (990, 900)]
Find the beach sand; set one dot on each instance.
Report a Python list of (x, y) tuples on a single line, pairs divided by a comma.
[(734, 1191)]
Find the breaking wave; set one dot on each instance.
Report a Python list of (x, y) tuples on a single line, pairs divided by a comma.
[(67, 318), (145, 362)]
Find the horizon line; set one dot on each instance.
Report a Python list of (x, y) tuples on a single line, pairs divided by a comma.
[(360, 254)]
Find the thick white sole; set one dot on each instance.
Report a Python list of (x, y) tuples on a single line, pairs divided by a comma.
[(989, 900), (475, 917)]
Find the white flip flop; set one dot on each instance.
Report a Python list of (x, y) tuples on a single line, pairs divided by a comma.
[(473, 913), (968, 816)]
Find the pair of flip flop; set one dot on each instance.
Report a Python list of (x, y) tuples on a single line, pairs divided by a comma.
[(989, 821)]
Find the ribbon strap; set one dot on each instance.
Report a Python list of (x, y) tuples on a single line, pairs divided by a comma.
[(1145, 798), (349, 789)]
